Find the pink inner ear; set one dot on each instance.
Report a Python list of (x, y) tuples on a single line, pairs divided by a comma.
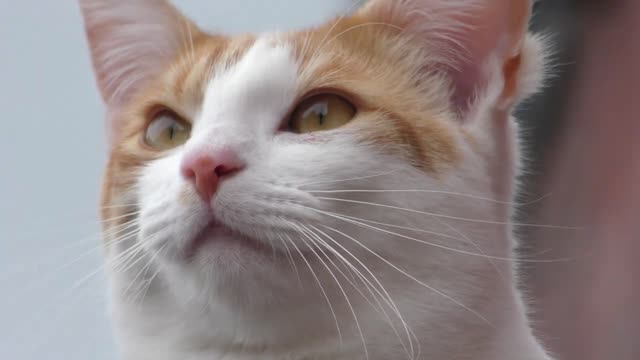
[(475, 38), (495, 33), (467, 81)]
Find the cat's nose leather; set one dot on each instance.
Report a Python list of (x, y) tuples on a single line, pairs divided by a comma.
[(205, 169)]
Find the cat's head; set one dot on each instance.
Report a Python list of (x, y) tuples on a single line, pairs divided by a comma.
[(381, 139)]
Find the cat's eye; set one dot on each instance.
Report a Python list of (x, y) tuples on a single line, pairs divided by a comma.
[(321, 112), (166, 131)]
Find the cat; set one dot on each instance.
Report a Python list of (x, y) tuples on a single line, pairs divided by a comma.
[(339, 192)]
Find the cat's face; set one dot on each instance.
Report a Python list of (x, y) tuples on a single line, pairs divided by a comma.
[(284, 118), (242, 166)]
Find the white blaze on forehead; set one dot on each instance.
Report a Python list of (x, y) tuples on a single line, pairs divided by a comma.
[(256, 91)]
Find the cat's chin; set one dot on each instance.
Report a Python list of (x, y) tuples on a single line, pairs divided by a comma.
[(216, 240), (221, 263)]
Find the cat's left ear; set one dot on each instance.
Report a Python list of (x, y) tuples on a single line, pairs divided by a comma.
[(480, 44), (131, 41)]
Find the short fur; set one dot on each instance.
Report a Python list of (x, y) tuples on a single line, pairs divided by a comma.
[(387, 238)]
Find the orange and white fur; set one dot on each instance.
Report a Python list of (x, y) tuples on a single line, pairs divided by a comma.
[(341, 192)]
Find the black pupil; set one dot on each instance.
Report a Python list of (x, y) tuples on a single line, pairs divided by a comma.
[(322, 110), (172, 131)]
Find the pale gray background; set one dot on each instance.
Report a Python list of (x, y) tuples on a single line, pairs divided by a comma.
[(51, 157)]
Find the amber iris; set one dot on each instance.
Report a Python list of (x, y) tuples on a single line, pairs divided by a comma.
[(166, 131), (321, 112)]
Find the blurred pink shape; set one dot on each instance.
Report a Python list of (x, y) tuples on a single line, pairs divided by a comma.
[(590, 306)]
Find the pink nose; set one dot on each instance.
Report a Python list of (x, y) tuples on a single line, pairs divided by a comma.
[(205, 168)]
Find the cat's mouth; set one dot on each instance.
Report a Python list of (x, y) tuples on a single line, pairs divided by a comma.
[(216, 236)]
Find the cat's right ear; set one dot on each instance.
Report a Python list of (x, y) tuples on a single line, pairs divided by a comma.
[(478, 44), (131, 41)]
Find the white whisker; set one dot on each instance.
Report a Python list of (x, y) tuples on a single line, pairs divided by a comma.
[(347, 191), (146, 287), (350, 279), (119, 239), (324, 293), (124, 216), (386, 297), (400, 227), (346, 297), (361, 224), (118, 206), (495, 266), (348, 179), (447, 216), (291, 260), (409, 275)]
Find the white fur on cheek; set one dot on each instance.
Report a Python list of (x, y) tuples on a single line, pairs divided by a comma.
[(170, 211)]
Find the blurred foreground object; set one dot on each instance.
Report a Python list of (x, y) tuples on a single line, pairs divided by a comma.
[(590, 304)]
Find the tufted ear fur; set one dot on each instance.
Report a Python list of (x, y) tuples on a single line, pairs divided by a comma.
[(478, 43), (131, 41)]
